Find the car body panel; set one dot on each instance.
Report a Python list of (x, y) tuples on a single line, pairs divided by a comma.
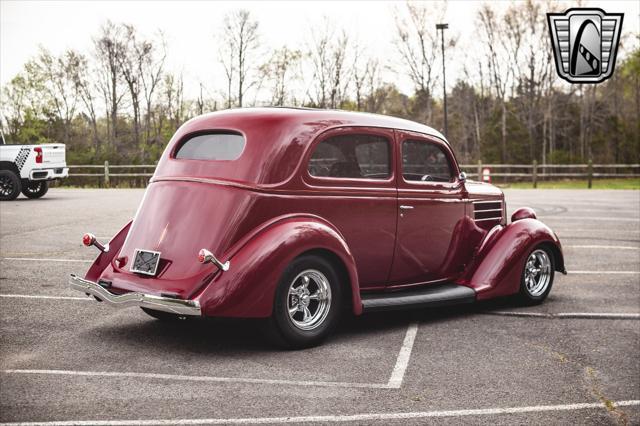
[(104, 260), (499, 261), (248, 288)]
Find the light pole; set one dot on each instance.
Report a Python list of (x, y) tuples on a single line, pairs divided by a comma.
[(443, 27)]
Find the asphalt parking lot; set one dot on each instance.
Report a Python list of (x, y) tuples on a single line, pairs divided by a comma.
[(574, 359)]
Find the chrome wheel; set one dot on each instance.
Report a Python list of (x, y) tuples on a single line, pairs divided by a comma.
[(537, 272), (309, 299)]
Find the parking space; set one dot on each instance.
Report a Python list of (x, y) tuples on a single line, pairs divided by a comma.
[(573, 359)]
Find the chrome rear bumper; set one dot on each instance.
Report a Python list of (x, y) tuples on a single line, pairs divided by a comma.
[(158, 303)]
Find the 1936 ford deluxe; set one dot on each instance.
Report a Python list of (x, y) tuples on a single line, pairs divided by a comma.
[(293, 215)]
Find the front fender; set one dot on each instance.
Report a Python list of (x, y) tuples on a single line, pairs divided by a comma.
[(498, 264), (248, 288)]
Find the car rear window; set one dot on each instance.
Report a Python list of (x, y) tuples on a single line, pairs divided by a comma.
[(213, 146)]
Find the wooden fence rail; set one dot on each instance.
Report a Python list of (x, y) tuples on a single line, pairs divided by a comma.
[(533, 172)]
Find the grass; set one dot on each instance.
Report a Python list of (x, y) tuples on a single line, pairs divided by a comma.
[(627, 183)]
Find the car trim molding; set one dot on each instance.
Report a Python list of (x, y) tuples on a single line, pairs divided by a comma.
[(150, 301)]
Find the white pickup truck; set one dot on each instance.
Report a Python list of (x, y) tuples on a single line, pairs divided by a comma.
[(29, 168)]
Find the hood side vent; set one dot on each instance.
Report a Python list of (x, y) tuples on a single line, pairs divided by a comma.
[(485, 211)]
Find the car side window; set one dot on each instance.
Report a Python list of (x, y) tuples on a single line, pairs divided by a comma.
[(425, 161), (355, 156)]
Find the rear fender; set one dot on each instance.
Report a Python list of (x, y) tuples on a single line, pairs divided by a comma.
[(104, 258), (258, 261), (498, 264)]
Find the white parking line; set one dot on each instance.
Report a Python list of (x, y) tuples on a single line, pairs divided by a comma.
[(368, 417), (395, 381), (604, 272), (601, 247), (30, 296), (576, 315), (34, 259), (179, 377)]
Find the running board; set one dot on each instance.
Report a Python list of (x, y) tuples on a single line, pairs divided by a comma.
[(436, 295)]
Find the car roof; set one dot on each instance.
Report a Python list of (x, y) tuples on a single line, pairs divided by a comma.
[(276, 139), (345, 118)]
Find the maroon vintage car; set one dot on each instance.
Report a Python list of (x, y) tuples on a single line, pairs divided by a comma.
[(294, 214)]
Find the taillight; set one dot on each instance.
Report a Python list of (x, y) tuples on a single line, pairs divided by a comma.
[(88, 239), (202, 256), (39, 155)]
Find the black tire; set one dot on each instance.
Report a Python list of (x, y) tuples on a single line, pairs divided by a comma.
[(293, 331), (35, 189), (164, 316), (10, 186), (534, 288)]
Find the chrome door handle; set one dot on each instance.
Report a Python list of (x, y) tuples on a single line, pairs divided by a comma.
[(404, 207)]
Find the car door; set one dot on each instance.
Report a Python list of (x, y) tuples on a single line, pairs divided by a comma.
[(431, 202), (351, 181)]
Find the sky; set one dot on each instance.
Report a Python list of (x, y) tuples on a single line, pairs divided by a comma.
[(192, 29)]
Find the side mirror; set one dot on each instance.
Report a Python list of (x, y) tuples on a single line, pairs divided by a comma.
[(462, 177)]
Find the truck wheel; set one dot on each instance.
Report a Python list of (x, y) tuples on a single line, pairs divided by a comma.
[(9, 185), (537, 276), (35, 189), (307, 303)]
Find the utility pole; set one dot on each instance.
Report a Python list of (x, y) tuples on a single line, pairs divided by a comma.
[(443, 27)]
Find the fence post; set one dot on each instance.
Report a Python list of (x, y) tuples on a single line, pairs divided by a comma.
[(106, 173), (589, 174), (479, 170), (534, 174)]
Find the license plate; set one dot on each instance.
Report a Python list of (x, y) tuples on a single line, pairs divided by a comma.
[(145, 262)]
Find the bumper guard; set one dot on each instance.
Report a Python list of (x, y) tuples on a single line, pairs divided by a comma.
[(158, 303)]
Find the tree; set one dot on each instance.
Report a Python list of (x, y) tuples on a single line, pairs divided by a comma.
[(52, 77), (327, 53), (280, 72), (417, 44), (240, 43), (109, 47), (141, 64), (500, 50), (15, 105), (527, 21), (366, 79), (131, 55), (86, 88), (151, 74)]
